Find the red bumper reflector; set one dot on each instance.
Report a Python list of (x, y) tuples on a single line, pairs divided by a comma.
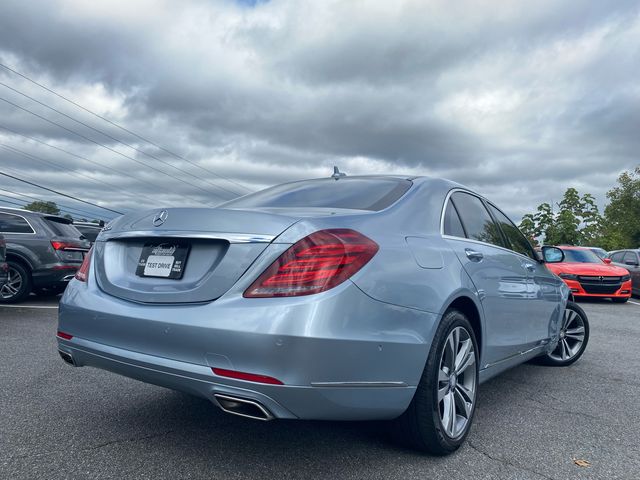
[(249, 377), (64, 336)]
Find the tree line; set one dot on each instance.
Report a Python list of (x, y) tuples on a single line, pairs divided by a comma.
[(52, 208), (577, 220)]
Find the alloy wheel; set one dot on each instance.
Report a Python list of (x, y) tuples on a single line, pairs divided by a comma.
[(571, 336), (13, 285), (457, 382)]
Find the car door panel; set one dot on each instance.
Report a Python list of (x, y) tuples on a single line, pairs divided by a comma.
[(497, 273)]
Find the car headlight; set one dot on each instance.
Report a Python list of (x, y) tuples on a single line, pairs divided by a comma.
[(626, 278), (568, 276)]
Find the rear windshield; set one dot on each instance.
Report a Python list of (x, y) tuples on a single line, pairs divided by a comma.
[(580, 256), (62, 228), (351, 193)]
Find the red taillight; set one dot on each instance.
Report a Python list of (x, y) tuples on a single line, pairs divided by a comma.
[(64, 336), (63, 245), (249, 377), (314, 264), (83, 271)]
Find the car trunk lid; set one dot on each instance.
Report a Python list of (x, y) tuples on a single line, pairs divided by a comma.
[(182, 255)]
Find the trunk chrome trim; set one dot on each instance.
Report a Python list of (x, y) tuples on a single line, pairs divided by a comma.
[(231, 237), (358, 384)]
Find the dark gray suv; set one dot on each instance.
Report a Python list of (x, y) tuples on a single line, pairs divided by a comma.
[(43, 253)]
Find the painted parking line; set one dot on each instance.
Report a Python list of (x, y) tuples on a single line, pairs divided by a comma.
[(635, 303), (29, 306)]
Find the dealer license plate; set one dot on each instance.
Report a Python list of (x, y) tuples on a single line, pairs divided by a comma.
[(165, 260)]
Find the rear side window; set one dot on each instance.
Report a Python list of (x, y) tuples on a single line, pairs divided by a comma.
[(14, 224), (476, 219), (518, 241), (452, 223), (61, 227), (351, 193)]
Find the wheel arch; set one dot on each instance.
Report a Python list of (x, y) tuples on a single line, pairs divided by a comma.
[(16, 257), (467, 305)]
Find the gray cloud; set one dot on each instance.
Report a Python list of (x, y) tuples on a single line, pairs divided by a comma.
[(517, 101)]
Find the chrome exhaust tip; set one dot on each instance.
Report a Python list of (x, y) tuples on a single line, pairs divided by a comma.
[(67, 357), (243, 407)]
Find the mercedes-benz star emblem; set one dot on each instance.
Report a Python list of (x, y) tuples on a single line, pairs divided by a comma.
[(160, 218)]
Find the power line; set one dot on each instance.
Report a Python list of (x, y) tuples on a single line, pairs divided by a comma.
[(234, 193), (121, 127), (88, 160), (78, 211), (60, 193), (72, 172), (84, 137)]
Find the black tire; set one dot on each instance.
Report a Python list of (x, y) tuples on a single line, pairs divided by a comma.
[(420, 426), (620, 300), (6, 293), (551, 359)]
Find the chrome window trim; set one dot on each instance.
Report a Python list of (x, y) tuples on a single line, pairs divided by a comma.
[(33, 230), (479, 242), (231, 237)]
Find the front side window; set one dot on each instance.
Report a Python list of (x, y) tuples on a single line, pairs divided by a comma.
[(617, 257), (518, 241), (14, 224), (476, 220), (630, 258)]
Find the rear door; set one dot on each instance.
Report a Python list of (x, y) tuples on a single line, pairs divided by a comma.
[(543, 286), (497, 273)]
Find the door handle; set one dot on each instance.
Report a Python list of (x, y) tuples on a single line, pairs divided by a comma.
[(473, 255), (530, 267)]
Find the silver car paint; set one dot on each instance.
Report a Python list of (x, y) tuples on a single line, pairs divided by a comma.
[(356, 351)]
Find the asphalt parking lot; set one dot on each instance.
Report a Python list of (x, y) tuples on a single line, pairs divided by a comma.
[(531, 423)]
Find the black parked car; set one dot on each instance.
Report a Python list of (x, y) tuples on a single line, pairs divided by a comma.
[(90, 230), (43, 252)]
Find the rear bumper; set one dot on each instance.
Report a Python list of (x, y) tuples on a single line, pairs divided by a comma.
[(57, 275), (577, 290), (281, 401), (341, 355)]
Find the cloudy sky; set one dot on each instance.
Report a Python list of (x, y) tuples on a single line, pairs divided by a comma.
[(518, 100)]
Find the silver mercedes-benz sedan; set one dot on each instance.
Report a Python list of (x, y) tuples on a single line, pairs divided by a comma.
[(344, 298)]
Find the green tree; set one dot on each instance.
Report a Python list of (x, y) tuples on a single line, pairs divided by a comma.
[(43, 207), (622, 214), (577, 221)]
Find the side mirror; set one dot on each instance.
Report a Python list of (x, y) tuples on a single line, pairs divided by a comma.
[(552, 254), (607, 261)]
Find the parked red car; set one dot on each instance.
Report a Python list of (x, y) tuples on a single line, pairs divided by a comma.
[(587, 275)]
